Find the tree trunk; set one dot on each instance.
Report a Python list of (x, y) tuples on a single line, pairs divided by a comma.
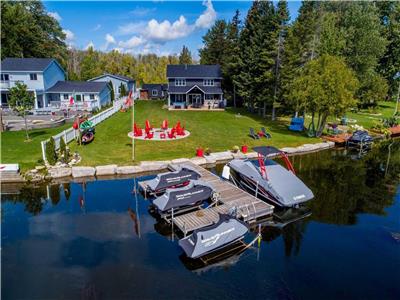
[(26, 127), (234, 96), (264, 109), (322, 125), (1, 120), (273, 113)]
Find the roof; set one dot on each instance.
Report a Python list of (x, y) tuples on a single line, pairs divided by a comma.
[(194, 71), (150, 86), (185, 89), (266, 150), (26, 64), (78, 87), (120, 77)]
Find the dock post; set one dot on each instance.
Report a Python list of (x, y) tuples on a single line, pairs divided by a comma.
[(172, 225), (184, 229)]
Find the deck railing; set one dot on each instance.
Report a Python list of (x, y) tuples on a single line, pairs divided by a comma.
[(70, 134)]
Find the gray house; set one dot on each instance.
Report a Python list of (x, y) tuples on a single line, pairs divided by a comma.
[(116, 81), (153, 91), (194, 86)]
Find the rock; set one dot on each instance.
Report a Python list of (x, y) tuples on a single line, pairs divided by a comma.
[(83, 171), (198, 160), (251, 155), (106, 170), (124, 170), (59, 172), (226, 155), (289, 150), (148, 166), (39, 168), (179, 160), (33, 171), (210, 159)]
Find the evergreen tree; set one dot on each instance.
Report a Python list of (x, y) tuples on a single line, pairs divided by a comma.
[(90, 65), (214, 44), (122, 90), (185, 57), (112, 91), (51, 154), (63, 149)]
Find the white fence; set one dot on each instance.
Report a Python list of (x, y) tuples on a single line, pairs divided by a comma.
[(70, 134)]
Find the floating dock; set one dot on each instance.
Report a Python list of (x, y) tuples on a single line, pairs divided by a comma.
[(231, 198)]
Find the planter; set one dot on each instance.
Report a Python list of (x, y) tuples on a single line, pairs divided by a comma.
[(199, 152), (244, 149)]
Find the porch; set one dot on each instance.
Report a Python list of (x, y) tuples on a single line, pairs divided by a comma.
[(195, 99)]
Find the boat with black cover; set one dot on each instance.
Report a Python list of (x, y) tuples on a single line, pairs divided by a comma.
[(178, 178), (226, 231), (183, 198), (269, 181)]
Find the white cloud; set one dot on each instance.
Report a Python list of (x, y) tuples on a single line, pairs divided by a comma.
[(97, 27), (109, 41), (89, 45), (69, 37), (142, 11), (131, 28), (55, 15), (132, 42), (208, 17), (165, 31)]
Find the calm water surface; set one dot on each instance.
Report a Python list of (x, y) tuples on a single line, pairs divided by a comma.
[(98, 241)]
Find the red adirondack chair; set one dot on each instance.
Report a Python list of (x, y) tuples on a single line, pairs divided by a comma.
[(164, 125), (137, 131), (149, 135), (148, 125), (171, 134)]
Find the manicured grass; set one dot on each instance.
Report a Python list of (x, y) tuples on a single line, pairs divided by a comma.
[(219, 131), (14, 148)]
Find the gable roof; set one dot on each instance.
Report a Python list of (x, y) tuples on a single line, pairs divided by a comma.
[(120, 77), (78, 87), (194, 71), (26, 64), (158, 86)]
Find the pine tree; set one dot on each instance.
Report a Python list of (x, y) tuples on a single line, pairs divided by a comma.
[(51, 155), (185, 57), (112, 91), (63, 149), (213, 51)]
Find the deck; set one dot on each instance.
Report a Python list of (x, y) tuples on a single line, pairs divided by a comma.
[(338, 138), (248, 208)]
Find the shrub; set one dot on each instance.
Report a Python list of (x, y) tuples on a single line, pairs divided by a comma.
[(207, 151), (235, 149), (51, 155)]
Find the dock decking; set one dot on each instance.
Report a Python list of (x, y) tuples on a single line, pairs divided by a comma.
[(248, 208)]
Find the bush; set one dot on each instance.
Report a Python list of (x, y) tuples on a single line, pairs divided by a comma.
[(51, 154), (235, 149), (207, 151), (63, 149)]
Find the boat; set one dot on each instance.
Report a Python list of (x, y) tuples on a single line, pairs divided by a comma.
[(183, 198), (178, 178), (269, 181), (361, 141), (226, 231)]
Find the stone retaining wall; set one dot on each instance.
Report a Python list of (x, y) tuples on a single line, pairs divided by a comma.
[(153, 166)]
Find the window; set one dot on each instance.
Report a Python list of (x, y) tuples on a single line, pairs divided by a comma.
[(78, 97), (65, 96), (5, 77), (33, 76), (180, 82), (179, 97), (91, 96), (208, 82), (154, 92)]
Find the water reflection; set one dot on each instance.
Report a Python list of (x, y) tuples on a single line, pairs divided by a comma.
[(97, 239)]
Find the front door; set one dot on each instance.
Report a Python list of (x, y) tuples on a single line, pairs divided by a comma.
[(195, 99)]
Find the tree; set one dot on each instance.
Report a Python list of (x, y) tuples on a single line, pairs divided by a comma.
[(21, 100), (122, 90), (28, 31), (112, 91), (63, 149), (51, 154), (90, 65), (185, 57), (214, 49), (325, 86)]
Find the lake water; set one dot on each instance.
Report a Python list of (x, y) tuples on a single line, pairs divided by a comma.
[(98, 241)]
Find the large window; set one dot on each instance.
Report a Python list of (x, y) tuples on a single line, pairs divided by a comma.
[(33, 76), (180, 82), (5, 77), (65, 96), (91, 96), (208, 82), (180, 97), (154, 92), (78, 97)]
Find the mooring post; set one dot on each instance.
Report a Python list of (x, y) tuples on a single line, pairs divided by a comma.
[(172, 225)]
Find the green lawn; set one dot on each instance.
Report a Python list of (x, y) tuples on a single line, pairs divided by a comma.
[(218, 131)]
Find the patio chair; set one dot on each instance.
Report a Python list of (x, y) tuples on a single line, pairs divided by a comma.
[(148, 125), (171, 134), (149, 135), (253, 134), (180, 131), (164, 125), (265, 133), (296, 124), (137, 131)]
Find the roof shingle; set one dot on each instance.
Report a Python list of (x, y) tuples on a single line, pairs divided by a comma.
[(194, 71), (25, 64), (78, 87)]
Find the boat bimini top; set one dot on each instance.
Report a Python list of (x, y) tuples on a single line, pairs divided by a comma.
[(196, 192), (174, 179), (207, 239), (271, 180)]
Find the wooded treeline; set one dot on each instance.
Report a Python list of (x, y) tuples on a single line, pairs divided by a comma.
[(263, 56)]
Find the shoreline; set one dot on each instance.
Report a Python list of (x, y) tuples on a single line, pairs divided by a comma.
[(113, 171)]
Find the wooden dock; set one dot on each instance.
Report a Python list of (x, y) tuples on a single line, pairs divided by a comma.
[(231, 198)]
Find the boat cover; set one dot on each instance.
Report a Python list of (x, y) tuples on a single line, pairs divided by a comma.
[(170, 179), (361, 136), (267, 150), (196, 192), (205, 240), (286, 188)]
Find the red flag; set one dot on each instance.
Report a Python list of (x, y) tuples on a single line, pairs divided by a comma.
[(71, 101)]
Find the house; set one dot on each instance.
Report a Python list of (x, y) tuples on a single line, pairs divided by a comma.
[(39, 74), (153, 91), (45, 78), (194, 86), (117, 81), (86, 95)]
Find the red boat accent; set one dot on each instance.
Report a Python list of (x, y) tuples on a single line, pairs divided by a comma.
[(262, 166), (289, 165)]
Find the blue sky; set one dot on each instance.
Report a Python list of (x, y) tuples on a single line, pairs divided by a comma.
[(160, 27)]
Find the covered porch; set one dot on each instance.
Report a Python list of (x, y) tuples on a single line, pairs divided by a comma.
[(195, 99)]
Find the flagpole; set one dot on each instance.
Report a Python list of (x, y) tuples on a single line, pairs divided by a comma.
[(133, 122)]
